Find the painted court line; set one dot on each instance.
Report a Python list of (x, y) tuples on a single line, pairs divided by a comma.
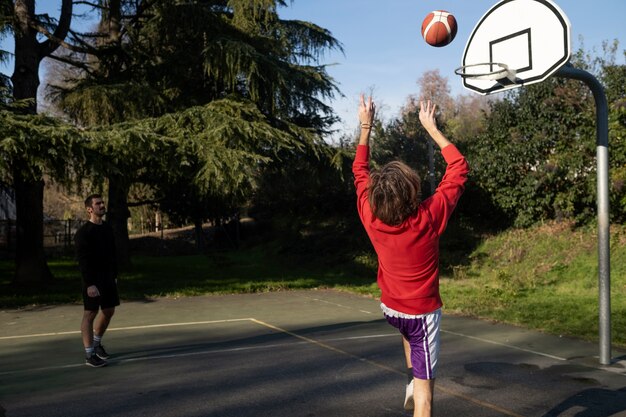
[(387, 368), (122, 360), (338, 305), (303, 339), (153, 357), (493, 342), (113, 329), (196, 323)]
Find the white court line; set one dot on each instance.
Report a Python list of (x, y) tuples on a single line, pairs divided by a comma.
[(113, 329), (393, 370), (547, 355), (182, 355), (303, 340), (371, 336), (197, 323), (493, 342), (146, 358), (338, 305)]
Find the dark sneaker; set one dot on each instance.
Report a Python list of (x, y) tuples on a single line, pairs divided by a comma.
[(95, 362), (100, 352)]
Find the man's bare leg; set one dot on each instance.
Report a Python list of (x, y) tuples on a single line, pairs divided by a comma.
[(86, 327), (103, 320)]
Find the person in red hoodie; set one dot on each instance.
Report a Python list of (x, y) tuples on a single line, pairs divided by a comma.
[(405, 231)]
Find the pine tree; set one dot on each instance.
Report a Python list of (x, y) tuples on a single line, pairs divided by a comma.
[(26, 172), (152, 58)]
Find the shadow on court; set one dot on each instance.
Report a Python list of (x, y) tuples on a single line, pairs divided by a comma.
[(304, 353), (593, 402)]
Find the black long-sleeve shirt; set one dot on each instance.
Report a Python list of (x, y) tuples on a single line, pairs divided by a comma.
[(95, 250)]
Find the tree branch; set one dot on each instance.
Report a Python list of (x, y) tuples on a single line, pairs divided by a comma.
[(90, 4), (142, 8), (58, 37), (78, 37), (72, 63), (53, 43), (143, 203)]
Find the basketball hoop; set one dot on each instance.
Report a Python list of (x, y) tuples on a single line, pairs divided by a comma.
[(498, 75)]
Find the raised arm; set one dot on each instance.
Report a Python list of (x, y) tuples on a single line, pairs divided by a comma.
[(360, 166), (366, 119), (427, 118), (442, 203)]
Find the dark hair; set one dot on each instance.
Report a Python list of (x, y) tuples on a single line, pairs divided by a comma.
[(394, 192), (89, 200)]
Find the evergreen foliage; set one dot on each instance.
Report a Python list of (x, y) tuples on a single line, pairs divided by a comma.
[(19, 96), (196, 98), (50, 146), (215, 105)]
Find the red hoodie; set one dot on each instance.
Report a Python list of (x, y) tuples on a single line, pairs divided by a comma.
[(408, 254)]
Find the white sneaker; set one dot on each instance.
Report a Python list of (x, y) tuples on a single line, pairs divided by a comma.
[(408, 397)]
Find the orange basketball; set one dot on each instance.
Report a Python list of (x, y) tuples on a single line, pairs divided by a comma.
[(439, 28)]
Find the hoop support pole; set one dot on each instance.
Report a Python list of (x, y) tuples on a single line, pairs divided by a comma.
[(602, 160)]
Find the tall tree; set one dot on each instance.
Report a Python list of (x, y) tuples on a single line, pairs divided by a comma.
[(27, 28), (468, 119), (173, 55), (435, 87)]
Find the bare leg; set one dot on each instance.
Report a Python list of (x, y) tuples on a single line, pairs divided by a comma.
[(407, 352), (408, 395), (102, 323), (86, 327), (423, 397)]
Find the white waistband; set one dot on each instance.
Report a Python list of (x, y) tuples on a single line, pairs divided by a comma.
[(393, 313)]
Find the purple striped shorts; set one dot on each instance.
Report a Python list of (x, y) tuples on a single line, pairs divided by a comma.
[(422, 332)]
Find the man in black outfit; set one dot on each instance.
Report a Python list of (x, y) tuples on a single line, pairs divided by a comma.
[(95, 249)]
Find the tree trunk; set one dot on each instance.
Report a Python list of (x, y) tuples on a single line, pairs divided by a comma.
[(201, 241), (30, 258), (117, 216), (118, 212)]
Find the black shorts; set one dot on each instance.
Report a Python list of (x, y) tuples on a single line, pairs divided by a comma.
[(108, 297)]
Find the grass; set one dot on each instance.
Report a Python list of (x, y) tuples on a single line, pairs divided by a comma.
[(543, 278), (249, 270)]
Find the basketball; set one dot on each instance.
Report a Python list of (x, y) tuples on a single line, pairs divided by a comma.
[(439, 28)]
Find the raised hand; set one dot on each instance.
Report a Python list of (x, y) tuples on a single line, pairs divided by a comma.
[(428, 120), (367, 111), (427, 115)]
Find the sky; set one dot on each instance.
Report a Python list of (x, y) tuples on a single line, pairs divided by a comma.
[(384, 52)]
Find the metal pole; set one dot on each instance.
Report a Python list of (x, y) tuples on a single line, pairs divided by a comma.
[(431, 166), (602, 152)]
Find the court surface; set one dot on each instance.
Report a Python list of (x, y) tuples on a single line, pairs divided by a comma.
[(302, 353)]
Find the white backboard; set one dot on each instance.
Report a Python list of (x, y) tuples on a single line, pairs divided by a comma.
[(530, 37)]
